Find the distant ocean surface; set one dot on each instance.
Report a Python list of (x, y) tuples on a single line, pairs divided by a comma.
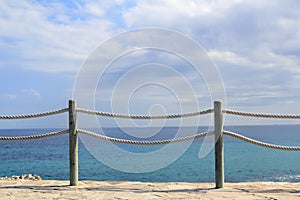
[(49, 158)]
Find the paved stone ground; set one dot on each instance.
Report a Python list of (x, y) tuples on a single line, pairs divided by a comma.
[(52, 189)]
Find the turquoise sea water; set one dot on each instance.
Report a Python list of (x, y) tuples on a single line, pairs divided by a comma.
[(243, 162)]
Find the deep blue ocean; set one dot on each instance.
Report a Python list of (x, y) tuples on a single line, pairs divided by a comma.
[(49, 157)]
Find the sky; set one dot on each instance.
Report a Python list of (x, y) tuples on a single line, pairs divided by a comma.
[(253, 43)]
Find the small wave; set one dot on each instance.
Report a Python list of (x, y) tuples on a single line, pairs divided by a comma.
[(288, 178)]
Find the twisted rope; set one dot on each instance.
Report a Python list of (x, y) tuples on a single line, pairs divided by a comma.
[(173, 116), (249, 114), (263, 144), (35, 115), (34, 137), (144, 143)]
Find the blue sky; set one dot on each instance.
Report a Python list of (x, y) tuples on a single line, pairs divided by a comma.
[(254, 44)]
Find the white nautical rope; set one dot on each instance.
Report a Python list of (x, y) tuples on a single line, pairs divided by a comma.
[(143, 117), (144, 143), (35, 115), (263, 144), (34, 137), (260, 115), (149, 143)]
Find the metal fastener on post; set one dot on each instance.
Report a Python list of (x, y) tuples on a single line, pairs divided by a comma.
[(73, 144), (219, 149)]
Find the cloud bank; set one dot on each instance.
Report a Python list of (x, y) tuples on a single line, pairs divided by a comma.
[(254, 43)]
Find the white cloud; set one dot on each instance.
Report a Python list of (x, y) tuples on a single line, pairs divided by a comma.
[(232, 25), (94, 9), (53, 37), (32, 92), (10, 96), (228, 57), (167, 13), (254, 43)]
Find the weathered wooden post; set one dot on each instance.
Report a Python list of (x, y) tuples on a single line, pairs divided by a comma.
[(73, 144), (219, 149)]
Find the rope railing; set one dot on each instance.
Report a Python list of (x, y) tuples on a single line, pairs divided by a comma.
[(192, 114), (145, 143), (262, 144), (185, 139), (44, 114), (148, 143), (261, 115), (144, 117), (34, 137), (218, 133)]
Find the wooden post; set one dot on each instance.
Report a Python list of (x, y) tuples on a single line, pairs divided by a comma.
[(73, 144), (219, 149)]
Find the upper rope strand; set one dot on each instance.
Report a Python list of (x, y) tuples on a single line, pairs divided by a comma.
[(35, 115), (172, 116)]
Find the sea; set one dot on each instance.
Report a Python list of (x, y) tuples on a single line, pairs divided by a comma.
[(244, 162)]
